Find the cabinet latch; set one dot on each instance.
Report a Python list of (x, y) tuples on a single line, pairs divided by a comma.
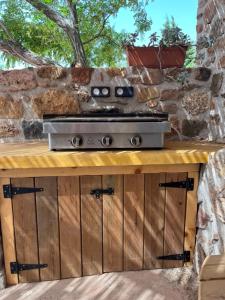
[(9, 191), (185, 257), (99, 192), (15, 267), (184, 184)]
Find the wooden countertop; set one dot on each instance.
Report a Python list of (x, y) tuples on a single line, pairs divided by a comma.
[(36, 155)]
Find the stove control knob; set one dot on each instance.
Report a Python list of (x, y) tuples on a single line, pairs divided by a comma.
[(136, 140), (77, 141), (107, 141)]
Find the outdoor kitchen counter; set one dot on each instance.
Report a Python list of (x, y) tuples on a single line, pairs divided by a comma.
[(119, 220), (36, 155)]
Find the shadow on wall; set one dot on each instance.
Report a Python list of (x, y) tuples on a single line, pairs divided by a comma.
[(211, 213)]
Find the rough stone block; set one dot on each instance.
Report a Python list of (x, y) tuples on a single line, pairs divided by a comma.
[(10, 108), (216, 84), (152, 103), (215, 118), (202, 74), (196, 102), (81, 75), (217, 30), (17, 80), (33, 130), (210, 12), (199, 28), (220, 43), (7, 129), (113, 72), (222, 62), (170, 94), (146, 94), (51, 72), (202, 3), (55, 101), (136, 79), (202, 43), (192, 128), (170, 108), (152, 76)]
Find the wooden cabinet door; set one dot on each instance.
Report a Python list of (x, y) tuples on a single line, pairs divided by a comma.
[(77, 233), (47, 227), (25, 229), (165, 214)]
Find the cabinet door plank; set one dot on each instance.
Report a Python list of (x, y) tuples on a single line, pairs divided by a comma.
[(48, 229), (174, 220), (24, 211), (155, 198), (8, 237), (133, 221), (91, 224), (113, 224), (191, 214), (69, 225)]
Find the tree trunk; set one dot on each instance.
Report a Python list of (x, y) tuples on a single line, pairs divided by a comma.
[(79, 53)]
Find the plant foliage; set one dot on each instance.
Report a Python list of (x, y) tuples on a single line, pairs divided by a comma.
[(33, 30)]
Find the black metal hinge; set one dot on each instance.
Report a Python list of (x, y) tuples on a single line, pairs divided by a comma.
[(184, 184), (185, 257), (15, 267), (10, 191), (99, 192)]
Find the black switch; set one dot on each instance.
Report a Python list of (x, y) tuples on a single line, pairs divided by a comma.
[(124, 91)]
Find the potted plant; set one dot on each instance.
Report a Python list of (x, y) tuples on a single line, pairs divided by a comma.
[(165, 52)]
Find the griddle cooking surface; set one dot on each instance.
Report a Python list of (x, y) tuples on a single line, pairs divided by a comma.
[(108, 117)]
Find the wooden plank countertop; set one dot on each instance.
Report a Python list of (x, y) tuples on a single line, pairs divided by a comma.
[(36, 155)]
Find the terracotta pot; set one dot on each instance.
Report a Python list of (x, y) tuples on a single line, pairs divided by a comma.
[(156, 57)]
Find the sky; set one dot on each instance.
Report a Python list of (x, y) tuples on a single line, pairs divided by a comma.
[(184, 12)]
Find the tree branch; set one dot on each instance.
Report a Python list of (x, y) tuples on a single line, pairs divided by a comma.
[(72, 30), (2, 25), (47, 10), (73, 13), (14, 49), (74, 35), (98, 35)]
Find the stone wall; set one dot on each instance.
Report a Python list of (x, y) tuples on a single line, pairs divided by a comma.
[(25, 95), (211, 54), (211, 193)]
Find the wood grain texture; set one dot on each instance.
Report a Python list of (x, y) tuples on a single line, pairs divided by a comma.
[(155, 198), (91, 224), (213, 268), (48, 229), (133, 221), (36, 155), (212, 290), (25, 226), (191, 215), (7, 227), (113, 225), (174, 220), (69, 224), (112, 170)]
